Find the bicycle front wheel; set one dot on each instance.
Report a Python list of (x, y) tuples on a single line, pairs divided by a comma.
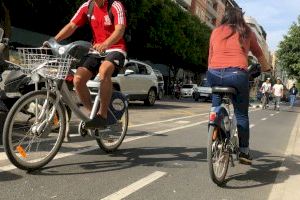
[(31, 139), (110, 139), (217, 156)]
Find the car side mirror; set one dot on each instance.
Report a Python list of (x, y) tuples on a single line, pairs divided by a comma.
[(128, 72)]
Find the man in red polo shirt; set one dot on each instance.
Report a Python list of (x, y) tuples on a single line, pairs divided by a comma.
[(107, 37)]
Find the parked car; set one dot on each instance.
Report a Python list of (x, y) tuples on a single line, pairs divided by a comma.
[(203, 91), (187, 90), (161, 84), (138, 82)]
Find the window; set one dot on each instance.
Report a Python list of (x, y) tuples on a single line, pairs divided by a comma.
[(143, 70), (133, 67)]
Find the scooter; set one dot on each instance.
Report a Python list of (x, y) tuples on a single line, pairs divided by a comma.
[(15, 83)]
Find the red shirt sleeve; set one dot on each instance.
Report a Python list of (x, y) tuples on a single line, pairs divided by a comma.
[(254, 46), (80, 17), (118, 12)]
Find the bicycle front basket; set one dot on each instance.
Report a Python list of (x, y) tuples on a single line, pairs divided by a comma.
[(48, 65)]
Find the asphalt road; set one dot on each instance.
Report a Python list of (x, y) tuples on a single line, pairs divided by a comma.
[(162, 157)]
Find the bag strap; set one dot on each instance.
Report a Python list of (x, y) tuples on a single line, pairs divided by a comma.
[(90, 10), (111, 16)]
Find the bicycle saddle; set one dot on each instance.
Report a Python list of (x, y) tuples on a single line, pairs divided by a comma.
[(227, 90)]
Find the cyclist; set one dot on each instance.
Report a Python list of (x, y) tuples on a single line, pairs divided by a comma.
[(266, 89), (227, 66), (107, 37)]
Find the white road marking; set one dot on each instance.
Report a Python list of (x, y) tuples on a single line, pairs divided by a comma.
[(3, 156), (135, 186), (272, 114), (277, 112), (252, 125), (263, 119), (163, 131), (71, 153), (62, 155), (182, 122), (168, 120)]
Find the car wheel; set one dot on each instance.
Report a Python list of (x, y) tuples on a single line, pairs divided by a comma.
[(150, 98), (160, 95)]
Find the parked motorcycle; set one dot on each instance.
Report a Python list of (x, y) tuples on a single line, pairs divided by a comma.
[(15, 83)]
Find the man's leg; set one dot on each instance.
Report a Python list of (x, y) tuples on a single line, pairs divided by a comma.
[(105, 72), (292, 99), (81, 77)]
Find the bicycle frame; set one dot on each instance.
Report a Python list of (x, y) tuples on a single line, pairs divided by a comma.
[(221, 113)]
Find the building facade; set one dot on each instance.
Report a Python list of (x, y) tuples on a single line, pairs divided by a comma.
[(211, 11)]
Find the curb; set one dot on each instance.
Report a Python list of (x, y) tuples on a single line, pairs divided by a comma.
[(286, 185)]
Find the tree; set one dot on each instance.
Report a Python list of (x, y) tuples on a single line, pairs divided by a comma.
[(163, 32), (288, 53), (5, 24), (160, 30)]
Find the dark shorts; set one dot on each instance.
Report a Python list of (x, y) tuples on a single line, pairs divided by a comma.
[(93, 62)]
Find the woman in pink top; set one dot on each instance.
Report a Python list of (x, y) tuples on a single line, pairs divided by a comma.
[(230, 44)]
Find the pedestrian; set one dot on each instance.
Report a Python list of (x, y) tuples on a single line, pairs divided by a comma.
[(278, 93), (229, 46), (293, 94), (266, 89), (108, 24)]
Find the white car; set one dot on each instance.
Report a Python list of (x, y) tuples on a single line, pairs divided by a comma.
[(138, 82), (187, 90)]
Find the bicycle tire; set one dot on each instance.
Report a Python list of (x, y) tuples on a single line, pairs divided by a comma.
[(219, 180), (114, 147), (8, 139)]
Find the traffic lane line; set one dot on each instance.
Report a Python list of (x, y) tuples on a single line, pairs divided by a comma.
[(135, 186), (71, 153), (58, 156)]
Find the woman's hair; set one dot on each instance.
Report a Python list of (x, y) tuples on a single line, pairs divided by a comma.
[(234, 18)]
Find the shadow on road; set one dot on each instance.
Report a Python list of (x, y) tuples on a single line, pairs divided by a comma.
[(168, 157), (264, 171)]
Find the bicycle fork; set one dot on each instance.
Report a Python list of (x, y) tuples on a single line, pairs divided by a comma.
[(40, 124)]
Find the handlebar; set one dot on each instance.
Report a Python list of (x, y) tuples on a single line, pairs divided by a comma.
[(76, 49)]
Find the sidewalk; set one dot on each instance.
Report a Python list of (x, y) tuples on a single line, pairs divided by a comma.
[(287, 185)]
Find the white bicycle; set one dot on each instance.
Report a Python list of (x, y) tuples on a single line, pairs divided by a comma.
[(37, 123)]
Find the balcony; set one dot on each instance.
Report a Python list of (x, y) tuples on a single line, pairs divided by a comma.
[(184, 3), (211, 10)]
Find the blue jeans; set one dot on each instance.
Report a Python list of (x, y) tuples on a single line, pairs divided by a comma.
[(238, 79), (292, 100)]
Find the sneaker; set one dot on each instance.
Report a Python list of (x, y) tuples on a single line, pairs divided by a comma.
[(245, 159), (96, 122)]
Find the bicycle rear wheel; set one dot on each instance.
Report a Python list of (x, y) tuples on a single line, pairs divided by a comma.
[(25, 146), (111, 138), (217, 156)]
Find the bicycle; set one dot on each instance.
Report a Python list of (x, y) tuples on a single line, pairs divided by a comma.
[(265, 100), (222, 136), (32, 143), (223, 140)]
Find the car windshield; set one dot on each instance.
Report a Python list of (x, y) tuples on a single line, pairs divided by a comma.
[(187, 86)]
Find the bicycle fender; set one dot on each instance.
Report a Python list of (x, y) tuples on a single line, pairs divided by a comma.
[(217, 117)]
